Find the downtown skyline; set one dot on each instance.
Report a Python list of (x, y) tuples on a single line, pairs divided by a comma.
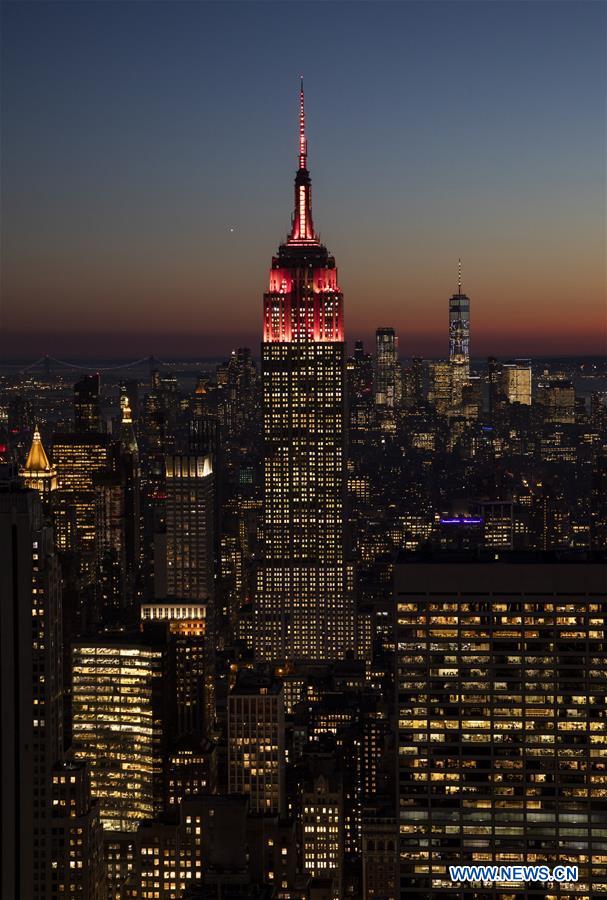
[(138, 203)]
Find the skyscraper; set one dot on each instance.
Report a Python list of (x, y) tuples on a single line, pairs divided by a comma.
[(127, 464), (459, 341), (361, 404), (304, 604), (77, 457), (31, 724), (86, 404), (386, 368), (128, 441), (50, 837), (117, 526), (417, 378), (110, 558), (556, 398), (440, 390), (256, 742), (120, 700), (189, 528), (515, 382), (494, 371), (191, 657), (459, 325), (501, 709)]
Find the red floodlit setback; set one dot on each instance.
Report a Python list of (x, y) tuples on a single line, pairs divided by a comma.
[(304, 302)]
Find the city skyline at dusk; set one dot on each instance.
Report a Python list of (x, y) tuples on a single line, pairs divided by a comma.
[(140, 198), (303, 450)]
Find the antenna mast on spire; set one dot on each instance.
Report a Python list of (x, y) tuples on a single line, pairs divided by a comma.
[(303, 146), (459, 276), (302, 228)]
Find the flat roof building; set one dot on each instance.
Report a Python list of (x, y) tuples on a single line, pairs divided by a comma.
[(502, 712)]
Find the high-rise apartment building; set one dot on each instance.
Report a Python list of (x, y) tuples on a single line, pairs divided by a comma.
[(120, 724), (31, 688), (304, 602), (502, 699), (256, 742)]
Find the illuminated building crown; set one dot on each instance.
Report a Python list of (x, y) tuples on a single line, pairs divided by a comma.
[(127, 432), (37, 473), (37, 460), (304, 302)]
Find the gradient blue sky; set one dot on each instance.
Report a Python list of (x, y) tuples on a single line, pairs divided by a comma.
[(136, 135)]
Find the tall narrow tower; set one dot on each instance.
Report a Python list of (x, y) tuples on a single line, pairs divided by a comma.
[(304, 603), (386, 368), (459, 341), (459, 325)]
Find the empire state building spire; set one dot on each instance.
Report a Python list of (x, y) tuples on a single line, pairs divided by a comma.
[(303, 144), (302, 228)]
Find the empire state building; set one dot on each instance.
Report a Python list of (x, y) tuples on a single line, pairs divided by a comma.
[(304, 606)]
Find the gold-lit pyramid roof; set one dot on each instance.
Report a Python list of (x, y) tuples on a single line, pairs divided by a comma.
[(37, 460)]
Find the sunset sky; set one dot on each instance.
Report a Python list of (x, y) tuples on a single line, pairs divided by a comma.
[(148, 152)]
